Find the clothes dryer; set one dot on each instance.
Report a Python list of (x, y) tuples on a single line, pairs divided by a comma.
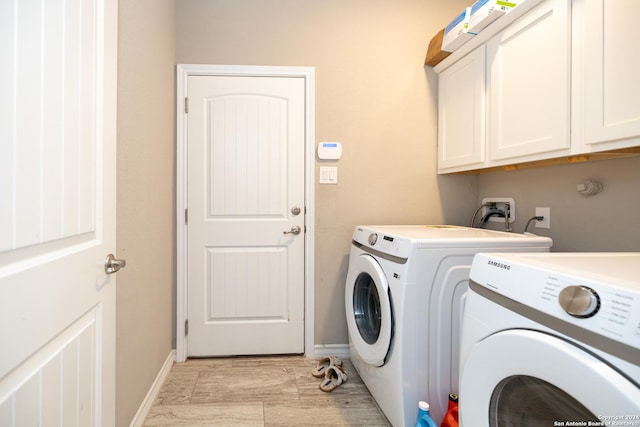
[(552, 339), (404, 297)]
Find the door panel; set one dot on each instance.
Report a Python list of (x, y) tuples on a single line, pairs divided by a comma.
[(462, 112), (57, 212), (248, 147), (529, 68), (62, 375), (611, 66), (245, 174)]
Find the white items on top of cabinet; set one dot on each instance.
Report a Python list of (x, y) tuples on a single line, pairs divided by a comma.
[(534, 105)]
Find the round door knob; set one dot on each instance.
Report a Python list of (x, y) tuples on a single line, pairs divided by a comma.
[(294, 230), (296, 210), (111, 264), (579, 301)]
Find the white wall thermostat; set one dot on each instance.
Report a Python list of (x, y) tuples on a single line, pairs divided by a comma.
[(329, 150)]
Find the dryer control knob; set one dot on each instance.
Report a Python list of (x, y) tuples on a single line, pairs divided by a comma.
[(579, 301), (373, 238)]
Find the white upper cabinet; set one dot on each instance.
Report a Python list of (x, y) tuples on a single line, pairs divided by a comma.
[(607, 64), (461, 125), (561, 80), (529, 85)]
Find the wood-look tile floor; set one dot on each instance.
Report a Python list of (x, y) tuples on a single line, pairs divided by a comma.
[(260, 391)]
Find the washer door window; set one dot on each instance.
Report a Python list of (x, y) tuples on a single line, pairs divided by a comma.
[(524, 400), (529, 378), (368, 308)]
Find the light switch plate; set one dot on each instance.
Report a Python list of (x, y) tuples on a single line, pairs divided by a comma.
[(328, 174)]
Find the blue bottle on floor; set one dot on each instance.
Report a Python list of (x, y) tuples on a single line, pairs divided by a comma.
[(424, 416)]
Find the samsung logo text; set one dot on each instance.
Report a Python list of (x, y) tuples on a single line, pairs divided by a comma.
[(499, 265)]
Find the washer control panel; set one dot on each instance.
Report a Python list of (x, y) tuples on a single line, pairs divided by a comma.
[(392, 245), (373, 238), (388, 244), (384, 243), (587, 293), (579, 301)]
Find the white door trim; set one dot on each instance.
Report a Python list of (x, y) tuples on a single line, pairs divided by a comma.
[(182, 73)]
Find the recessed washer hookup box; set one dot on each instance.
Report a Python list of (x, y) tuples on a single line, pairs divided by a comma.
[(484, 12), (456, 33)]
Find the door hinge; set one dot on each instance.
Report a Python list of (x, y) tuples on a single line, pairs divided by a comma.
[(186, 216), (186, 327), (186, 105)]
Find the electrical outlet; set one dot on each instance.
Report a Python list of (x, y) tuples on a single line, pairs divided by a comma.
[(500, 202), (546, 221)]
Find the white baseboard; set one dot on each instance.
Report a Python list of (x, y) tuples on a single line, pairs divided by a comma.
[(146, 404), (321, 350)]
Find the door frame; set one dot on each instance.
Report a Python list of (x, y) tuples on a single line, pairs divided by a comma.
[(183, 71)]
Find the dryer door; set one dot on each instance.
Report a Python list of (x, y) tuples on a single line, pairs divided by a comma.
[(506, 380), (368, 309)]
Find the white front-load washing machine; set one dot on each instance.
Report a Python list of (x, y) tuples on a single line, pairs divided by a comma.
[(552, 340), (404, 296)]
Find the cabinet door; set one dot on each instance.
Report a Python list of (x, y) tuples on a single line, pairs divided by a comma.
[(610, 64), (461, 114), (529, 86)]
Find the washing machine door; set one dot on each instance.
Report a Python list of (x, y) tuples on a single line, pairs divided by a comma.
[(368, 309), (529, 378)]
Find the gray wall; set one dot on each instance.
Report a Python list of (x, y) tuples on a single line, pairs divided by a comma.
[(373, 94), (609, 221), (145, 202)]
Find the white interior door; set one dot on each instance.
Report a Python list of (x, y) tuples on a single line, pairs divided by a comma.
[(246, 221), (57, 212)]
